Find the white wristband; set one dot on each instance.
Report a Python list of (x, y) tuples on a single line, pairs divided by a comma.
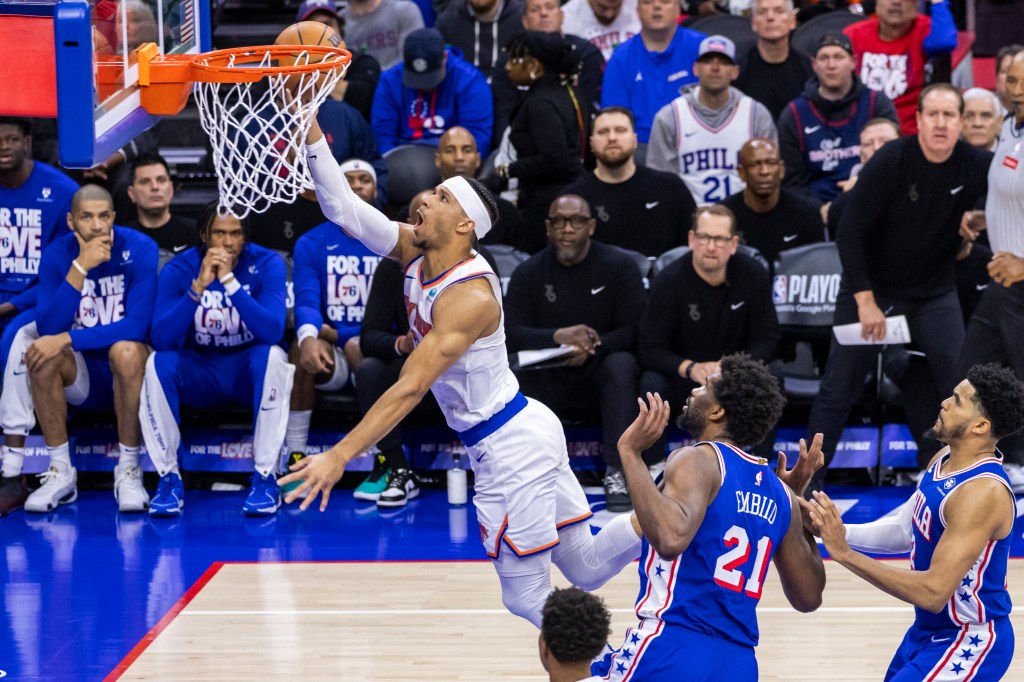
[(76, 266), (230, 282), (307, 331)]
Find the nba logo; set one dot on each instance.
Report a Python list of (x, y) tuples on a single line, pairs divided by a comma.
[(273, 395), (757, 478), (949, 483), (779, 289)]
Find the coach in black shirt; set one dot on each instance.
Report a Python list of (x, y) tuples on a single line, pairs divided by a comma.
[(898, 240), (710, 302), (769, 218), (152, 191), (581, 293), (636, 207)]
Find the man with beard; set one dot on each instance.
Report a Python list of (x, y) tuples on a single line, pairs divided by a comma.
[(530, 508), (636, 207), (958, 530), (711, 525), (584, 294)]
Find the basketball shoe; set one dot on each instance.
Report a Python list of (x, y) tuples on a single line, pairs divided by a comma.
[(401, 488), (58, 487), (616, 494), (131, 496), (13, 493), (170, 496), (376, 483), (264, 496), (293, 458)]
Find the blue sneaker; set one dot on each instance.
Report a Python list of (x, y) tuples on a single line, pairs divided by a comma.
[(264, 496), (170, 496)]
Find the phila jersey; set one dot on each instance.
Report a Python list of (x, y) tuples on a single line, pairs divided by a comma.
[(708, 156), (480, 382), (714, 586), (982, 595)]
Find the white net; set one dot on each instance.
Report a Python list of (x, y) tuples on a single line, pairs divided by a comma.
[(257, 130)]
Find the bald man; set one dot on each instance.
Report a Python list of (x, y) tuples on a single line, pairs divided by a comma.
[(769, 217), (581, 293)]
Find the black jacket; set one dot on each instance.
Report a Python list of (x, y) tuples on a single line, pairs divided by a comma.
[(688, 318), (604, 292)]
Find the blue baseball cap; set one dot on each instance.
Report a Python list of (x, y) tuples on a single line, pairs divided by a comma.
[(423, 53)]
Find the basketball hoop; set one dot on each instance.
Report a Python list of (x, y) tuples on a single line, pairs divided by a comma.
[(257, 132)]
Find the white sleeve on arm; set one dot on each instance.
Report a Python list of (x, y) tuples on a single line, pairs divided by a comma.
[(342, 207), (890, 534)]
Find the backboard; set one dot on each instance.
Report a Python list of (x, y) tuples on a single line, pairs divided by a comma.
[(78, 60)]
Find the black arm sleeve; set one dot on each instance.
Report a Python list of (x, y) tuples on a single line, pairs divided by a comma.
[(384, 319)]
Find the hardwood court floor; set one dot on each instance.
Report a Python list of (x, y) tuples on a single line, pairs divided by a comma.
[(440, 620)]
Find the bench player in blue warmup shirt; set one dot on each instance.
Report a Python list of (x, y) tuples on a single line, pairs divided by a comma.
[(710, 526), (87, 345), (34, 203), (958, 529), (220, 308)]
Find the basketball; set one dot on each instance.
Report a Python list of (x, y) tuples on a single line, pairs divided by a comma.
[(307, 33)]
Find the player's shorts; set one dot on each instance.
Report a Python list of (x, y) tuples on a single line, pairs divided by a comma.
[(93, 387), (524, 489), (656, 650), (976, 652)]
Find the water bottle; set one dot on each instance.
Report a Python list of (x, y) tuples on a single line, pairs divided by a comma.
[(456, 481)]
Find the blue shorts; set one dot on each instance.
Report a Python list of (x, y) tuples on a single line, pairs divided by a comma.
[(100, 383), (976, 653), (658, 651)]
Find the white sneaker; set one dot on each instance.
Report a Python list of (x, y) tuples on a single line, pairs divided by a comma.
[(131, 496), (1014, 472), (58, 487)]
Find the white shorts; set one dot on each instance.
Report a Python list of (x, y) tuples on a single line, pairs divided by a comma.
[(525, 490)]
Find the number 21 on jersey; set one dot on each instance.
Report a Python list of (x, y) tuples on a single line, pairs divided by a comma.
[(728, 568)]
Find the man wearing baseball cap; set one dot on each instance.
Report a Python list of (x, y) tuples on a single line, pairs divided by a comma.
[(698, 135), (433, 89), (819, 131)]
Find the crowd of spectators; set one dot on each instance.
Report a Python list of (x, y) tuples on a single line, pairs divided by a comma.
[(650, 177)]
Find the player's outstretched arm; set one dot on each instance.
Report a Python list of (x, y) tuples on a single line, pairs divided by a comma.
[(978, 512), (462, 314), (669, 517), (340, 204), (798, 561)]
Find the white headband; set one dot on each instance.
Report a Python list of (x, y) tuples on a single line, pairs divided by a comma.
[(471, 203), (358, 165)]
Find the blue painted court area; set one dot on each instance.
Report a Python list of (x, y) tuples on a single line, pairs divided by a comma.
[(83, 585)]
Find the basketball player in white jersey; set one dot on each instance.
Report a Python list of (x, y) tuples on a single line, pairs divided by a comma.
[(699, 134), (530, 508)]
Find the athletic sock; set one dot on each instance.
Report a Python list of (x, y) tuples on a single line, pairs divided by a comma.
[(394, 458), (298, 430), (129, 455), (60, 457), (14, 459)]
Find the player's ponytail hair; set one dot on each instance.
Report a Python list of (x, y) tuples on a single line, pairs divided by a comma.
[(207, 215)]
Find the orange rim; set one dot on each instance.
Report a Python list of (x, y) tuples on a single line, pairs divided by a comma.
[(218, 67), (166, 80)]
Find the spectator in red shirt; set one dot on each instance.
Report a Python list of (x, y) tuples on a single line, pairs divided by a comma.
[(893, 47)]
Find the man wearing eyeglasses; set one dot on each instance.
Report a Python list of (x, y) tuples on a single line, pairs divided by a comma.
[(581, 293), (709, 303)]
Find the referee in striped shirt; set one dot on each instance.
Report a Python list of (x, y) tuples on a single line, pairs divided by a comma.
[(995, 332)]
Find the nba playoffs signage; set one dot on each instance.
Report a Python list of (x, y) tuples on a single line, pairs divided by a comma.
[(806, 285)]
